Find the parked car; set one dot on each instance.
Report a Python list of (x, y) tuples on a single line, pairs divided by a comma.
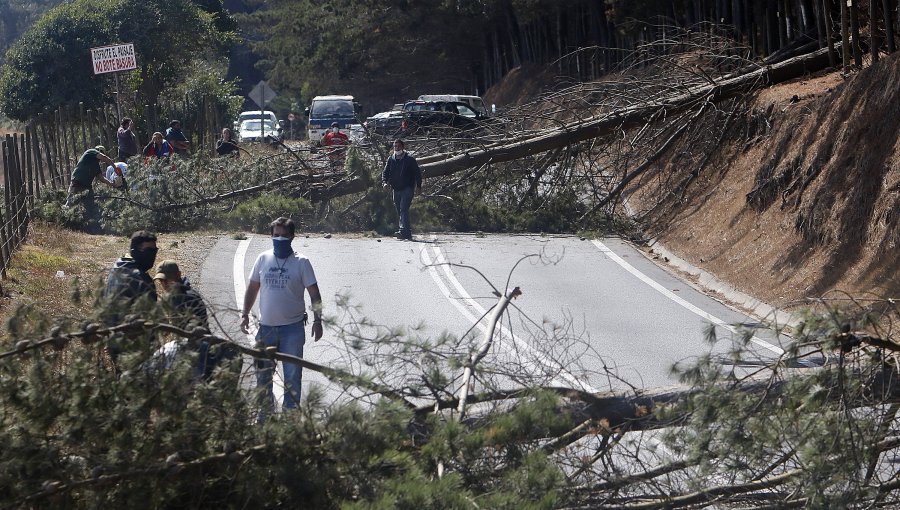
[(384, 123), (256, 114), (420, 117), (257, 130), (473, 102)]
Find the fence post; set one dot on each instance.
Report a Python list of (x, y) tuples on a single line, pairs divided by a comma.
[(65, 145), (18, 191), (4, 236), (95, 140), (29, 167), (105, 128), (58, 164), (84, 136), (40, 180), (48, 150), (7, 195), (72, 121)]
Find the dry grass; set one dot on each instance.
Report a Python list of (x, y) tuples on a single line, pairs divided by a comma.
[(85, 260)]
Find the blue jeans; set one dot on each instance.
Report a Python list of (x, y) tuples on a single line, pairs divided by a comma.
[(403, 199), (288, 339)]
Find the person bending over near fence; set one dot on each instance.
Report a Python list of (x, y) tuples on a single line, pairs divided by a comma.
[(86, 170)]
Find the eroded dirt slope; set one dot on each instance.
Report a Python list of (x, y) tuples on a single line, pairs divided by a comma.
[(808, 206)]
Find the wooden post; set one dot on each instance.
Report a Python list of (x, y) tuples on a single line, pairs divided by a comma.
[(4, 226), (77, 146), (65, 145), (53, 131), (19, 190), (48, 151), (107, 135), (84, 137), (29, 166), (40, 180), (8, 176), (95, 140)]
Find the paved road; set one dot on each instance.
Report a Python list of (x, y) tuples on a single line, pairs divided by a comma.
[(615, 309)]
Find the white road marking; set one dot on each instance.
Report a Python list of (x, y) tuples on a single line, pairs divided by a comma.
[(677, 299), (239, 288), (463, 302)]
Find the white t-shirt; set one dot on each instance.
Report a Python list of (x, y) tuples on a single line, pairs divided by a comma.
[(282, 283), (111, 171)]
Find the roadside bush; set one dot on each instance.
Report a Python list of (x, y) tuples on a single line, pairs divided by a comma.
[(256, 214)]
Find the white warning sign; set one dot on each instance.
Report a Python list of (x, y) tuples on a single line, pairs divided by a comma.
[(117, 57)]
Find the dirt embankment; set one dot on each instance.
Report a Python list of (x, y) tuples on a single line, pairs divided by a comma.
[(802, 197), (810, 205)]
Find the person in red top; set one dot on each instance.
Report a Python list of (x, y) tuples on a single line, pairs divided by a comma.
[(335, 140)]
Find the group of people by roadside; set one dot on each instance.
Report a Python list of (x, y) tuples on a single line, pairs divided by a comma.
[(131, 287), (279, 280)]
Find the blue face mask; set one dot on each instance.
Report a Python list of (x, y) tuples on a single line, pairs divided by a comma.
[(282, 247)]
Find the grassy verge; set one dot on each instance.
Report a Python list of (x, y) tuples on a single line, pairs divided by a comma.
[(84, 259)]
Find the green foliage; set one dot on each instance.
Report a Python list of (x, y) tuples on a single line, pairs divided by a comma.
[(16, 17), (69, 425), (256, 214), (471, 210), (203, 89), (56, 50), (361, 48)]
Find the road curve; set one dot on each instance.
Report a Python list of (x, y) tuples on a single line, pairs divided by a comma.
[(618, 316)]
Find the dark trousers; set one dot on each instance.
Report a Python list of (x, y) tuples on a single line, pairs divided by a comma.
[(403, 199)]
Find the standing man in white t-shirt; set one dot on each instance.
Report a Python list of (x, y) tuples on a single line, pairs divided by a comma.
[(279, 277)]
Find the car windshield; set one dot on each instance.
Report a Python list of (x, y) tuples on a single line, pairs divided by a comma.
[(418, 107), (254, 125), (254, 116), (466, 111), (335, 108)]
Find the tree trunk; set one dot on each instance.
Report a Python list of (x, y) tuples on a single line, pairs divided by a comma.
[(873, 30), (782, 24), (888, 24), (515, 42), (845, 34), (623, 119), (771, 26), (854, 29)]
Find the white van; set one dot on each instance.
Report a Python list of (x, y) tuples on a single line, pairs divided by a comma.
[(474, 102)]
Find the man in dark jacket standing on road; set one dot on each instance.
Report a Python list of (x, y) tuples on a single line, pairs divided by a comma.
[(402, 173)]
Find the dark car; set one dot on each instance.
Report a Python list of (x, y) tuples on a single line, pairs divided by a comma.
[(421, 117), (384, 123)]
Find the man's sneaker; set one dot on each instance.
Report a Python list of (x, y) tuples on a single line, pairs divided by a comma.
[(398, 234), (406, 235)]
